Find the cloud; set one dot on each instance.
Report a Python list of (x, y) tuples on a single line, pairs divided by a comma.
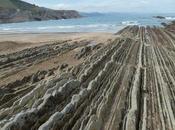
[(61, 6), (144, 1), (109, 5), (82, 7)]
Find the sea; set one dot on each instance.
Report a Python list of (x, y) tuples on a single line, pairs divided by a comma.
[(90, 22)]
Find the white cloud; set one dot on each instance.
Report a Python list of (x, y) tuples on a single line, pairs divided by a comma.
[(144, 1), (110, 5), (61, 6)]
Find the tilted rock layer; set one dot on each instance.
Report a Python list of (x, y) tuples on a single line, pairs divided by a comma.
[(128, 84)]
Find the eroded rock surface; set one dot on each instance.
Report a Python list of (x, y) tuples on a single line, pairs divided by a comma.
[(128, 84)]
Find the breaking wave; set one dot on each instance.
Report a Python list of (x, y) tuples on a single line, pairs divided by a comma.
[(130, 23), (170, 18), (64, 28)]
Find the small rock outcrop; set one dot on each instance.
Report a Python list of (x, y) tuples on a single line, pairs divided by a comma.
[(159, 17)]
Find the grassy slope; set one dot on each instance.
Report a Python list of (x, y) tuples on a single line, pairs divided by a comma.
[(23, 5), (23, 10), (17, 4), (7, 4)]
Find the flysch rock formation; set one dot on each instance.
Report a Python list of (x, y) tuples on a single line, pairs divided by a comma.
[(128, 84)]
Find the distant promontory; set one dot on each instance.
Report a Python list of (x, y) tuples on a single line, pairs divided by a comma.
[(19, 11)]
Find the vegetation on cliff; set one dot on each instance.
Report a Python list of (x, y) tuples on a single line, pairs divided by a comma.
[(20, 11)]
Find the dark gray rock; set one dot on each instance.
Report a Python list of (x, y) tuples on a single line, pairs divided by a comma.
[(63, 66)]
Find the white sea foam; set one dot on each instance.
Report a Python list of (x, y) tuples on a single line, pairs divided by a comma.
[(6, 29), (65, 28), (170, 18), (76, 26), (130, 23)]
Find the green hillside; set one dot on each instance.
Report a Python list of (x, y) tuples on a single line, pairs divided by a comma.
[(7, 4), (20, 11), (16, 4), (23, 5)]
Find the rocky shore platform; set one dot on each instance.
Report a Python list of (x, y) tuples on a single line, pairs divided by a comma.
[(125, 82)]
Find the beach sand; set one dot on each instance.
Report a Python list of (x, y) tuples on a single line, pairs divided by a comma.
[(14, 42)]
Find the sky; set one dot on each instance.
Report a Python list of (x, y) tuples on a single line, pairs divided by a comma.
[(140, 6)]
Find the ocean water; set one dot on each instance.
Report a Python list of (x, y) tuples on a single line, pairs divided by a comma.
[(108, 22)]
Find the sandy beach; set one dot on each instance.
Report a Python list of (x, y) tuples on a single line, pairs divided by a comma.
[(13, 42)]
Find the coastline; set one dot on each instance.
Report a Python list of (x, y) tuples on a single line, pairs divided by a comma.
[(87, 65)]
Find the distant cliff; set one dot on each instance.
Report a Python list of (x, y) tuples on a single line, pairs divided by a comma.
[(20, 11)]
